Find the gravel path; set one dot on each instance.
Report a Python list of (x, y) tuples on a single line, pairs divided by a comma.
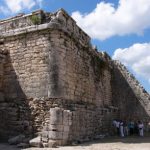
[(131, 143)]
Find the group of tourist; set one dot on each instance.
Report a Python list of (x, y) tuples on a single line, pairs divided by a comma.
[(124, 128)]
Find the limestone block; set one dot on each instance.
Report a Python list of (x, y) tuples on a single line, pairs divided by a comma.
[(45, 134), (66, 128), (44, 139), (1, 97), (56, 120), (65, 135), (56, 116), (64, 142), (70, 122), (59, 128), (67, 117), (52, 143), (55, 135), (36, 142)]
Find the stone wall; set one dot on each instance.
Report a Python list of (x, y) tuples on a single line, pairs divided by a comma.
[(49, 61), (35, 68), (22, 20), (2, 60), (86, 76), (26, 77), (77, 121), (3, 105), (56, 85), (129, 96), (26, 70)]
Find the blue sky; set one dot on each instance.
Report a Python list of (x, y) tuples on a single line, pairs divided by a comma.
[(119, 27)]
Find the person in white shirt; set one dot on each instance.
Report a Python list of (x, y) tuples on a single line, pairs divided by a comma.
[(141, 128), (116, 124), (121, 129)]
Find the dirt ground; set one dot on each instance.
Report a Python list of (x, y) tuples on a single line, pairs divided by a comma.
[(130, 143)]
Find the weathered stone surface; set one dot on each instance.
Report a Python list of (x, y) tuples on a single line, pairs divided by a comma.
[(1, 97), (22, 145), (55, 85), (52, 143), (17, 139), (36, 142)]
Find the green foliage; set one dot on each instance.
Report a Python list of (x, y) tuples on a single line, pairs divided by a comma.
[(35, 19)]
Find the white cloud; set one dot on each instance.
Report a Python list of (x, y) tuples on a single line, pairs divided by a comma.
[(15, 6), (105, 20), (137, 57)]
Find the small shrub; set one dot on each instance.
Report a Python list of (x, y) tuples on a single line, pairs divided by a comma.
[(35, 19)]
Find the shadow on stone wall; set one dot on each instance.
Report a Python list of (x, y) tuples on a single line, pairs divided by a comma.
[(15, 113), (126, 100)]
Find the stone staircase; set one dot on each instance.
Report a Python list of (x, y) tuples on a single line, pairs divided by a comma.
[(142, 95)]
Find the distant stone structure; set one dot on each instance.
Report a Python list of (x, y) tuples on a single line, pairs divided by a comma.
[(54, 84)]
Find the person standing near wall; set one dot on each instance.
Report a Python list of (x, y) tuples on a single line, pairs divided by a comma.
[(141, 128), (136, 128), (126, 131), (116, 124), (131, 127), (121, 129)]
